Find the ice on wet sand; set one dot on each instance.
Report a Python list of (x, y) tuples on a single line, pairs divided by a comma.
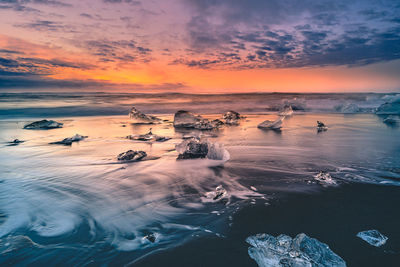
[(373, 237), (68, 141), (325, 178), (131, 155), (148, 137), (43, 124), (15, 142), (301, 251), (199, 148), (216, 195), (140, 117), (272, 125), (186, 119), (232, 117), (321, 126), (286, 110)]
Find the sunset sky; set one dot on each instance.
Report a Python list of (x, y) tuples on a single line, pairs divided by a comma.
[(200, 46)]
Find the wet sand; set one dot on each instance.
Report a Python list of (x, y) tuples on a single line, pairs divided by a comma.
[(77, 205)]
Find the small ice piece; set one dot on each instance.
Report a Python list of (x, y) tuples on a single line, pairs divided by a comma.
[(148, 137), (373, 237), (321, 126), (392, 119), (325, 178), (195, 148), (232, 117), (217, 123), (347, 108), (217, 151), (43, 124), (216, 195), (131, 155), (140, 117), (301, 251), (192, 149), (185, 119), (199, 135), (272, 125), (253, 188), (191, 135), (296, 103), (68, 141), (150, 237), (15, 142), (286, 110)]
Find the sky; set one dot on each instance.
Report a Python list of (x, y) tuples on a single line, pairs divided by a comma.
[(200, 46)]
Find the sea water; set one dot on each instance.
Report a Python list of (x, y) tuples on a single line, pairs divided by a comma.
[(77, 205)]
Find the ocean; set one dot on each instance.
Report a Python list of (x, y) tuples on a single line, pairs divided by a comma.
[(79, 206)]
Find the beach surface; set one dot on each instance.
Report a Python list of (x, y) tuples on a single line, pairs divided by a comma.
[(79, 205)]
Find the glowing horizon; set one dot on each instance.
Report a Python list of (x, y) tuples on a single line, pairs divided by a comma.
[(195, 46)]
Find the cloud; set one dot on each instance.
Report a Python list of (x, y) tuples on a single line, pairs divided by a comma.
[(21, 66), (25, 5), (290, 34), (123, 51), (25, 81), (45, 25), (131, 2), (207, 34), (8, 51)]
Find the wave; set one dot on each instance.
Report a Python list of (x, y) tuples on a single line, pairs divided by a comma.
[(94, 104)]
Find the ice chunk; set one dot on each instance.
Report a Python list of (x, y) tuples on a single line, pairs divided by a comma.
[(232, 117), (192, 149), (392, 98), (217, 123), (68, 141), (44, 124), (347, 108), (192, 135), (392, 119), (388, 108), (217, 151), (392, 105), (286, 110), (373, 237), (151, 237), (148, 137), (198, 148), (301, 251), (296, 103), (140, 117), (272, 125), (185, 119), (199, 135), (216, 195), (131, 155), (325, 178), (321, 126)]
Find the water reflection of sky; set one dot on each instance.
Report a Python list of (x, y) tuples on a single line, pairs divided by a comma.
[(78, 195)]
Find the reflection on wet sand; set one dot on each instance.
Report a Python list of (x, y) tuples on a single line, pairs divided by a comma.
[(82, 197)]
